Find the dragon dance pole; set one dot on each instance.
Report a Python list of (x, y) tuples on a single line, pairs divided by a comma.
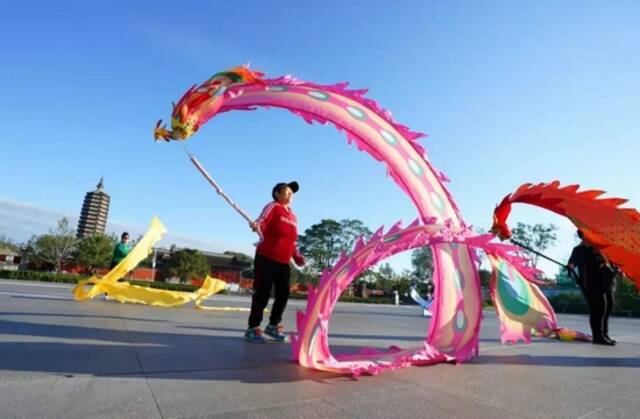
[(525, 247), (219, 190), (226, 197)]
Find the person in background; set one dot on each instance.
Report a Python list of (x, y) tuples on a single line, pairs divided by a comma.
[(121, 250)]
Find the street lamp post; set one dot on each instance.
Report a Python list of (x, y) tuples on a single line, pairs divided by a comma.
[(153, 264)]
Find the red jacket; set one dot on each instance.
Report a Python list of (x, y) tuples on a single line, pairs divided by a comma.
[(279, 227)]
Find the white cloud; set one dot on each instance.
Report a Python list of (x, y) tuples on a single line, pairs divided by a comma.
[(19, 221)]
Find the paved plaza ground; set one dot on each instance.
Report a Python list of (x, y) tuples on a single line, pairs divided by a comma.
[(61, 358)]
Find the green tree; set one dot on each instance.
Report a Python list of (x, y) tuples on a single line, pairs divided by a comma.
[(627, 298), (95, 251), (186, 264), (369, 276), (403, 283), (8, 243), (55, 247), (322, 243), (385, 277), (351, 230), (539, 237), (422, 263), (133, 242)]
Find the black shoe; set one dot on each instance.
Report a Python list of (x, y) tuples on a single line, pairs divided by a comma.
[(602, 341), (606, 337)]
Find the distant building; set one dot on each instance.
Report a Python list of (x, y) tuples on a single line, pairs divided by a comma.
[(226, 267), (9, 259), (95, 210)]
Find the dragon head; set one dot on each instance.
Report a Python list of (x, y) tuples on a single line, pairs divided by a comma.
[(201, 103), (500, 214)]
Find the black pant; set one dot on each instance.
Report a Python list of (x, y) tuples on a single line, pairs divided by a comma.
[(269, 274), (600, 306)]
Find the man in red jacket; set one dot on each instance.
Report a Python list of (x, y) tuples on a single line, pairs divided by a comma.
[(278, 228)]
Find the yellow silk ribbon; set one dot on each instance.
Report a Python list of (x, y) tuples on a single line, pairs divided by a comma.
[(124, 292)]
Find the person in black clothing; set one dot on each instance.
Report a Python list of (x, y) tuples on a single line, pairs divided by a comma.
[(596, 280)]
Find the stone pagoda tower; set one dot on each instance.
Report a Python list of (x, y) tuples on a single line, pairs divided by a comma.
[(95, 210)]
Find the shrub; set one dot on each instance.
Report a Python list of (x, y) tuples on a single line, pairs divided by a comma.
[(41, 276), (73, 279), (347, 299), (570, 302)]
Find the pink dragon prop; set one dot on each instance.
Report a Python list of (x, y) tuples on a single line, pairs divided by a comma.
[(453, 333)]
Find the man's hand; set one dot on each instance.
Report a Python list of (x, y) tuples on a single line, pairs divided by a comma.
[(254, 226)]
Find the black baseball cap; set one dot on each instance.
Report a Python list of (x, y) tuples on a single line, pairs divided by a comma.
[(292, 185)]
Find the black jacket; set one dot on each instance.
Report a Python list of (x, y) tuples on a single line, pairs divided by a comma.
[(594, 274)]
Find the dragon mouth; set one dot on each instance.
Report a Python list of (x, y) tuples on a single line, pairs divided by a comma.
[(161, 132), (501, 230)]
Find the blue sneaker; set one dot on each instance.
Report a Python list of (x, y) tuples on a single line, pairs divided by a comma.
[(275, 332), (254, 335)]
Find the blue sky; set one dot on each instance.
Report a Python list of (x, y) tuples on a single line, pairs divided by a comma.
[(508, 92)]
